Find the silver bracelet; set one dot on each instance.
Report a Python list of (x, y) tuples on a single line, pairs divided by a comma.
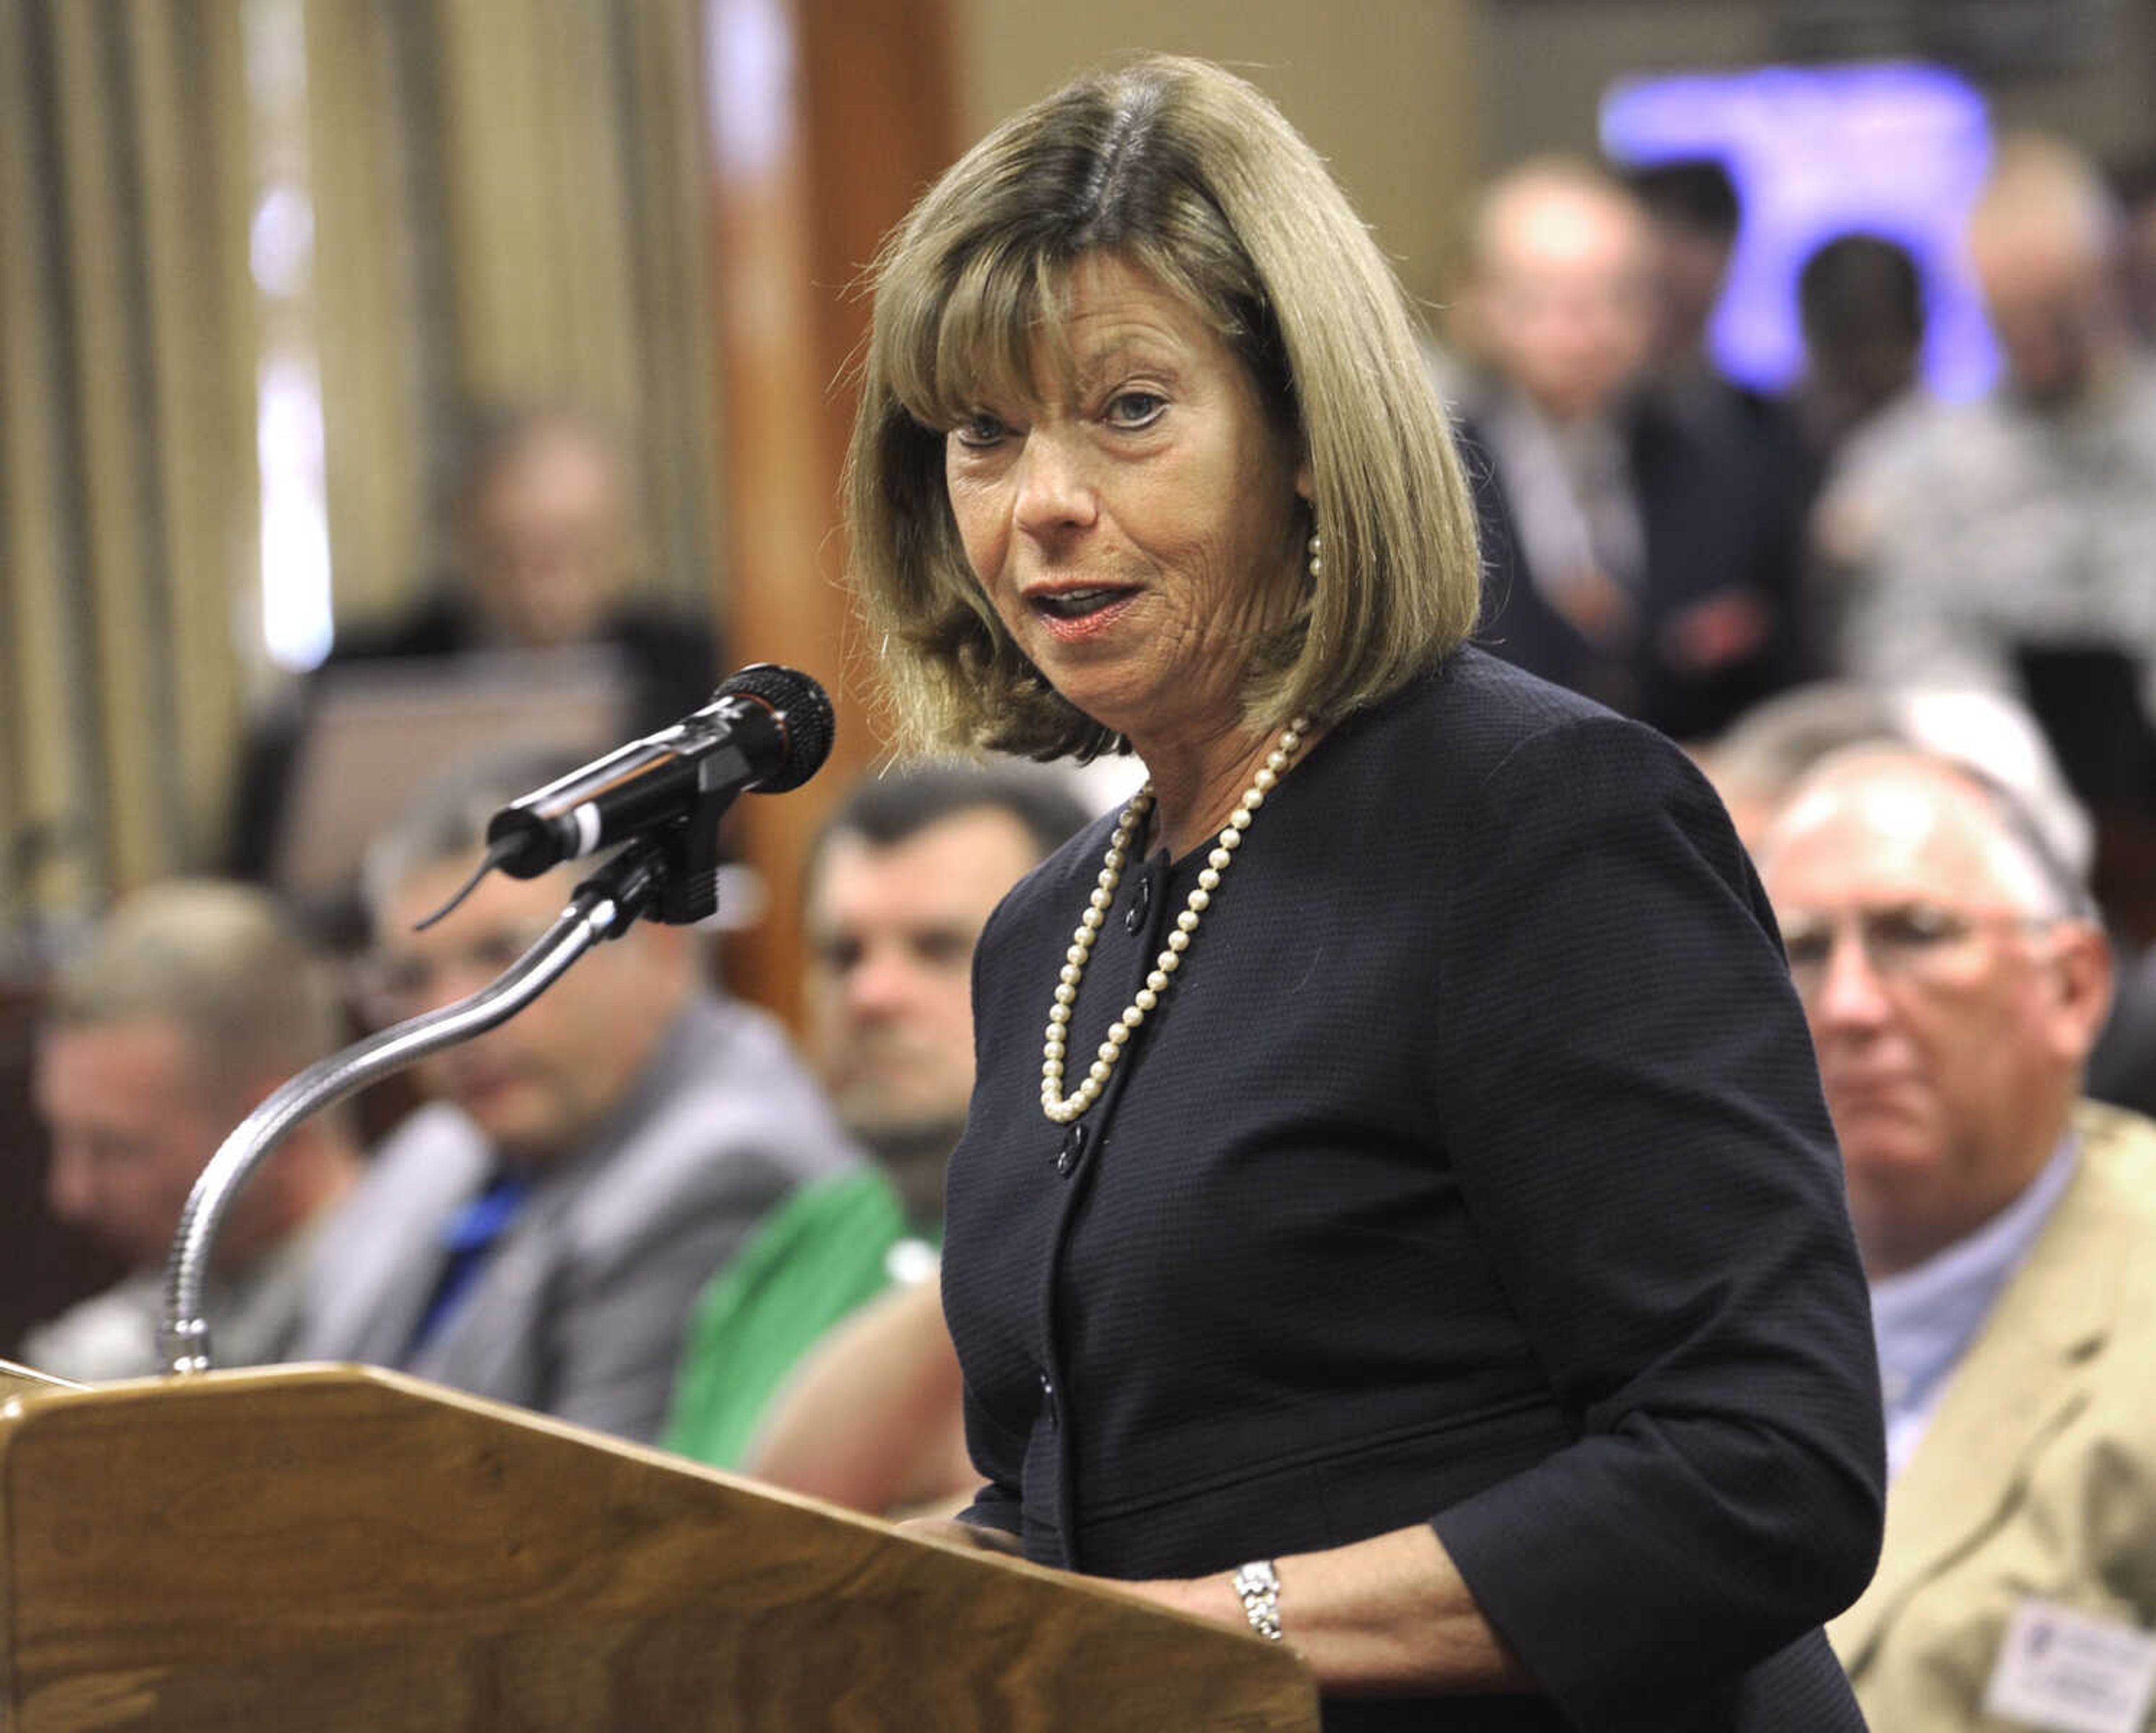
[(1258, 1585)]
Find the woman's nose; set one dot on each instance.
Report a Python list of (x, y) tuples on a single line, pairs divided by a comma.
[(1054, 490)]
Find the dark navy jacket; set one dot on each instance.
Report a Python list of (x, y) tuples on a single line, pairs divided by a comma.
[(1473, 1170)]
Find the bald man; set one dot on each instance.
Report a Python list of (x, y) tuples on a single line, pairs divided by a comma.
[(1633, 556), (1954, 982), (1981, 531)]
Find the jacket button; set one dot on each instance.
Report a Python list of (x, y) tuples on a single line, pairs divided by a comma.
[(1073, 1150), (1141, 901), (1048, 1395)]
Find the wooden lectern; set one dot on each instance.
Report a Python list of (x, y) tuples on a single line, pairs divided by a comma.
[(323, 1549)]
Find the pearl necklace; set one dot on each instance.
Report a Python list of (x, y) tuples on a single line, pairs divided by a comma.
[(1062, 1109)]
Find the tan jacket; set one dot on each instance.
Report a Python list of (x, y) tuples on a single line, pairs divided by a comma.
[(2037, 1476)]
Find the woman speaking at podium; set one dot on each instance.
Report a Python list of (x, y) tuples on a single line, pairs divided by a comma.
[(1397, 1208)]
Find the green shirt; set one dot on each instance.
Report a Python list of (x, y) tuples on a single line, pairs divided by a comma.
[(822, 1256)]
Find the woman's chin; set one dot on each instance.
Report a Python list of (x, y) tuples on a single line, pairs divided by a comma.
[(1109, 686), (1122, 705)]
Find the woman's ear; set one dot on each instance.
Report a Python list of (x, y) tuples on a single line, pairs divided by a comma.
[(1304, 488)]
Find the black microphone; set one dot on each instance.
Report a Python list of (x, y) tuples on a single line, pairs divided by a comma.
[(767, 728)]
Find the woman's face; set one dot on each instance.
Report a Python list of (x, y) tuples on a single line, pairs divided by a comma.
[(1138, 525)]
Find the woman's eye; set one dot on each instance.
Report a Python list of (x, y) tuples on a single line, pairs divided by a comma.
[(980, 429), (1136, 408)]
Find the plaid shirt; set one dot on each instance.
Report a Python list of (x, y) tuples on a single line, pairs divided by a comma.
[(1973, 529)]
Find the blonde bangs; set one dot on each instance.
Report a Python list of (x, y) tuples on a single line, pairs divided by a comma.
[(981, 342)]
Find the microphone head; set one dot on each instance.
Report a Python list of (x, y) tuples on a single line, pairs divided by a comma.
[(804, 711)]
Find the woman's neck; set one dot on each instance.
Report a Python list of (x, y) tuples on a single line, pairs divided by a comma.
[(1196, 786)]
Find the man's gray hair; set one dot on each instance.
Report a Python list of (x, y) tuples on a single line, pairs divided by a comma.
[(1986, 734), (2055, 886), (223, 962)]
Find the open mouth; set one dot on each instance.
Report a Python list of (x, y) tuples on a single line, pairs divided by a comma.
[(1078, 604)]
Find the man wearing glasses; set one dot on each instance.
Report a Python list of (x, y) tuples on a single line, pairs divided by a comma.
[(540, 1233), (1955, 978)]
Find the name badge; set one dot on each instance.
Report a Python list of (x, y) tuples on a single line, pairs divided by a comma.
[(2067, 1672)]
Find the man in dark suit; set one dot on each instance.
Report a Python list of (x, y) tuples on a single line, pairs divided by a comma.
[(1641, 549), (540, 1234)]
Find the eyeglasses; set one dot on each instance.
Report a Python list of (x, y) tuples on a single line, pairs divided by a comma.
[(1918, 942), (396, 984)]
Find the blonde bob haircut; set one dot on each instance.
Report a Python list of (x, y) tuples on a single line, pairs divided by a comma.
[(1186, 172)]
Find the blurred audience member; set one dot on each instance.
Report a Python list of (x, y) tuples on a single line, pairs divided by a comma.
[(538, 526), (1755, 762), (1636, 554), (194, 1000), (540, 1233), (2026, 520), (1692, 205), (874, 1416), (1860, 299), (903, 879), (1694, 216), (1955, 978)]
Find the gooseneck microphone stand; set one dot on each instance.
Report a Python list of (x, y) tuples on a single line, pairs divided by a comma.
[(604, 906), (766, 728)]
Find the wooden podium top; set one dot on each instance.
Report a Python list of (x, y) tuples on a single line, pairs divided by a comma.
[(21, 1381), (334, 1548)]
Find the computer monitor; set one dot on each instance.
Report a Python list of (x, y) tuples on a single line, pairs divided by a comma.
[(377, 731)]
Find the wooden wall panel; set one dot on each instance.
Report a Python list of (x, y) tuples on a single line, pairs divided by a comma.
[(829, 117)]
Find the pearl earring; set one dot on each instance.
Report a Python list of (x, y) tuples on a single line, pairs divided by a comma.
[(1317, 556)]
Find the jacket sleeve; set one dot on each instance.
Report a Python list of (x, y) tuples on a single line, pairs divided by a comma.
[(616, 1341), (995, 1506), (1627, 1092)]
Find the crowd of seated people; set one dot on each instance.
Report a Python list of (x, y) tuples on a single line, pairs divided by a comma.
[(1872, 614), (631, 1206), (1688, 550), (538, 1233), (1683, 548)]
